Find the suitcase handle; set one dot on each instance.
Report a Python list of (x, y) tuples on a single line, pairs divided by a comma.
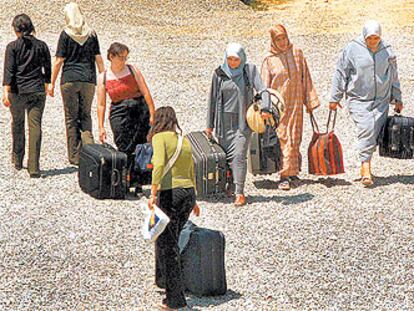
[(115, 177), (395, 137), (211, 139), (107, 146)]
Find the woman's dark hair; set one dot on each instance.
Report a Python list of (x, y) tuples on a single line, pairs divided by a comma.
[(116, 49), (165, 120), (23, 24)]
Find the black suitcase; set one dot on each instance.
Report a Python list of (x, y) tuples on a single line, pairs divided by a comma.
[(396, 139), (210, 165), (264, 155), (103, 172), (202, 260)]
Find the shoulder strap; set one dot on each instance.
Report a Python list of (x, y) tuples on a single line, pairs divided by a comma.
[(221, 74), (131, 70), (246, 76), (104, 79), (174, 157)]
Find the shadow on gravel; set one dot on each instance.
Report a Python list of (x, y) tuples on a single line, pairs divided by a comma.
[(327, 182), (194, 302), (59, 171), (389, 180), (282, 199)]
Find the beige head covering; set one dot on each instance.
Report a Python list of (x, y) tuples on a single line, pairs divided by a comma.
[(76, 26), (276, 31)]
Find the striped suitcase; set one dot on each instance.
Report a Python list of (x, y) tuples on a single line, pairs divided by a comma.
[(210, 165), (325, 151)]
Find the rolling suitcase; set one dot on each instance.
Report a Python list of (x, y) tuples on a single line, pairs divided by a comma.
[(103, 172), (210, 165), (396, 139), (202, 260), (264, 155)]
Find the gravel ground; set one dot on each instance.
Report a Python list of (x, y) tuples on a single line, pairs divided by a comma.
[(328, 244)]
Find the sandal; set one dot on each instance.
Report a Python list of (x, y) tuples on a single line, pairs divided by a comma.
[(366, 177), (367, 181), (163, 306), (284, 184), (240, 200)]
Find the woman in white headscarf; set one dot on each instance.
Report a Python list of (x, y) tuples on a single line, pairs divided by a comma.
[(231, 94), (77, 50), (367, 74)]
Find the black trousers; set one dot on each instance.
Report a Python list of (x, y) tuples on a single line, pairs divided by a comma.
[(77, 100), (177, 204), (33, 104), (129, 120)]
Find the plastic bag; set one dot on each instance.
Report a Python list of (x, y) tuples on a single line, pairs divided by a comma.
[(155, 222)]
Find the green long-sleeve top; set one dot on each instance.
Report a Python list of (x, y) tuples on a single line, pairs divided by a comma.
[(181, 175)]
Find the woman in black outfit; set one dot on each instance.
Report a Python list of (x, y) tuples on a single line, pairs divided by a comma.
[(175, 189), (27, 70), (77, 50)]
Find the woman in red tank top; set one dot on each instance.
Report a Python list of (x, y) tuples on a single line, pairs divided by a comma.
[(131, 110)]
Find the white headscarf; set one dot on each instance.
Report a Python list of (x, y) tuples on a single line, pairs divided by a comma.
[(371, 28), (76, 26)]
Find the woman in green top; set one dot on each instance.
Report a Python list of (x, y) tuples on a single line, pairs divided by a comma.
[(176, 197)]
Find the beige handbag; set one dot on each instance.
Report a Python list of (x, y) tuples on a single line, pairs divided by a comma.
[(254, 117)]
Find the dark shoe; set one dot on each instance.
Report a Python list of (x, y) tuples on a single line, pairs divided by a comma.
[(35, 175), (240, 200), (18, 166)]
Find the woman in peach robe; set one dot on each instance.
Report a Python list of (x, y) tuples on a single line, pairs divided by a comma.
[(285, 70)]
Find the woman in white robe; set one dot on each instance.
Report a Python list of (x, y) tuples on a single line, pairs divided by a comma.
[(367, 75)]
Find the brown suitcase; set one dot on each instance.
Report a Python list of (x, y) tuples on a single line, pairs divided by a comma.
[(325, 151)]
